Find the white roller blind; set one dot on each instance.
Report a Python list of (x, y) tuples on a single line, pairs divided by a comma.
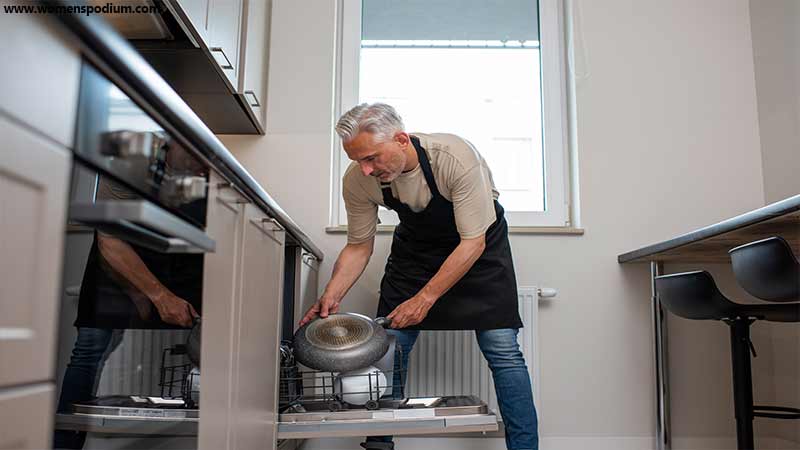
[(503, 20)]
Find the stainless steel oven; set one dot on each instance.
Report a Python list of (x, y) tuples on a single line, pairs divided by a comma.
[(133, 271), (165, 204)]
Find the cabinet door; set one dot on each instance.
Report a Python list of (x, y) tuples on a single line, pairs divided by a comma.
[(40, 74), (34, 179), (224, 26), (255, 39), (220, 288), (197, 11), (26, 415), (255, 390)]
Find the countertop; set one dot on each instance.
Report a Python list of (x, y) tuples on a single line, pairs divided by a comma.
[(710, 244)]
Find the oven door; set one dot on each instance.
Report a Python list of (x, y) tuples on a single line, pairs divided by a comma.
[(133, 275), (115, 340)]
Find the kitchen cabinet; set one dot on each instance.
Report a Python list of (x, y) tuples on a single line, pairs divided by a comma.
[(34, 50), (25, 418), (197, 12), (220, 288), (34, 180), (218, 23), (218, 61), (253, 67), (235, 32), (215, 58), (258, 312), (224, 32), (242, 294)]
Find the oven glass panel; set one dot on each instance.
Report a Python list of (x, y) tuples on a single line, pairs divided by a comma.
[(117, 137)]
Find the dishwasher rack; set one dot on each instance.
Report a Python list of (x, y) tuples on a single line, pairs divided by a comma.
[(380, 388), (301, 387), (178, 379)]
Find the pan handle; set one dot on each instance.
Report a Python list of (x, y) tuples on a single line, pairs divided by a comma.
[(383, 321)]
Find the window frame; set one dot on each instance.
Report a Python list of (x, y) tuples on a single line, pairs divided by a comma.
[(554, 116)]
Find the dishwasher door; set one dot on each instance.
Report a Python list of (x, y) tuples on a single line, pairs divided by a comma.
[(455, 414)]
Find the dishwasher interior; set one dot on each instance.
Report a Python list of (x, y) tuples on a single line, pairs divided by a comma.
[(369, 402)]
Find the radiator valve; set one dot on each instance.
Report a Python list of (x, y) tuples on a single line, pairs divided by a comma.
[(547, 292)]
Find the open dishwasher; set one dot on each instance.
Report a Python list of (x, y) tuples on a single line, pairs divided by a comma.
[(368, 401)]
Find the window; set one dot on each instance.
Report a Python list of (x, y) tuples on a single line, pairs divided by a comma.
[(490, 71)]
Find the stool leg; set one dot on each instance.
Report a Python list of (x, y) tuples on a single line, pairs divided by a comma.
[(742, 383)]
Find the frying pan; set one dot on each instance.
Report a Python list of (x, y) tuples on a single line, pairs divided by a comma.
[(341, 342)]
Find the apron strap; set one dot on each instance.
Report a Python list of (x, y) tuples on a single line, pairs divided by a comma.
[(388, 198), (386, 188), (426, 166)]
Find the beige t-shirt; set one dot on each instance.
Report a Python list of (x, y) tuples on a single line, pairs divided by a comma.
[(460, 172)]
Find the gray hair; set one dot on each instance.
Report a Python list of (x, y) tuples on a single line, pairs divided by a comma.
[(379, 119)]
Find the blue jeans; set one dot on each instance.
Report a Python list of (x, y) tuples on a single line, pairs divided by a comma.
[(92, 347), (511, 381)]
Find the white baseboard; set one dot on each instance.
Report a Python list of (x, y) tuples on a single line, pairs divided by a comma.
[(488, 443), (597, 443), (552, 443)]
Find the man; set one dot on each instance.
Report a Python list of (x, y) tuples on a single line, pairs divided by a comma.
[(450, 265)]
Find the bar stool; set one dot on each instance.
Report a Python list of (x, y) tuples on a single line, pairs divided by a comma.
[(694, 295), (767, 269)]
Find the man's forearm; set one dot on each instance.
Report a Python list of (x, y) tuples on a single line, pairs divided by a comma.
[(348, 267), (124, 260), (453, 269)]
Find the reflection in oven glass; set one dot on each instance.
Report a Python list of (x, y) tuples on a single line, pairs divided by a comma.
[(118, 137), (125, 344)]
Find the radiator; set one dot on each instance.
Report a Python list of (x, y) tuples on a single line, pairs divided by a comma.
[(450, 362)]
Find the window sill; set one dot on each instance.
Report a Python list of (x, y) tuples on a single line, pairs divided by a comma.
[(569, 231)]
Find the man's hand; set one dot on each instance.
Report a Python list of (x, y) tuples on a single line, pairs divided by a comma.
[(410, 312), (323, 307), (175, 310)]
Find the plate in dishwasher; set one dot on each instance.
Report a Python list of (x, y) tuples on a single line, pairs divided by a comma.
[(457, 414)]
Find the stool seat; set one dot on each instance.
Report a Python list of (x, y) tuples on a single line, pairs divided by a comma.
[(767, 269), (694, 295)]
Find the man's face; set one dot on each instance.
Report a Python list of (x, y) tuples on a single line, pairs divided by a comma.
[(383, 160)]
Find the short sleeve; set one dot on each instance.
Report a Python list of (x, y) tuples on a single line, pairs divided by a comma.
[(473, 203), (362, 213)]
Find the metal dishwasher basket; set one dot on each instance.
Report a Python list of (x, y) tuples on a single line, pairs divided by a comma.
[(311, 405)]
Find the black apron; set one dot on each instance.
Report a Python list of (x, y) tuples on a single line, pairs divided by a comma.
[(486, 296)]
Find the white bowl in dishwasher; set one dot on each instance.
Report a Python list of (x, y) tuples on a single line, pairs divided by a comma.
[(355, 386)]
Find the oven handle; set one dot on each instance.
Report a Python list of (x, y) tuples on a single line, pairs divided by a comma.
[(143, 223)]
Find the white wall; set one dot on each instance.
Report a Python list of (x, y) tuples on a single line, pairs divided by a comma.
[(668, 133), (775, 28)]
